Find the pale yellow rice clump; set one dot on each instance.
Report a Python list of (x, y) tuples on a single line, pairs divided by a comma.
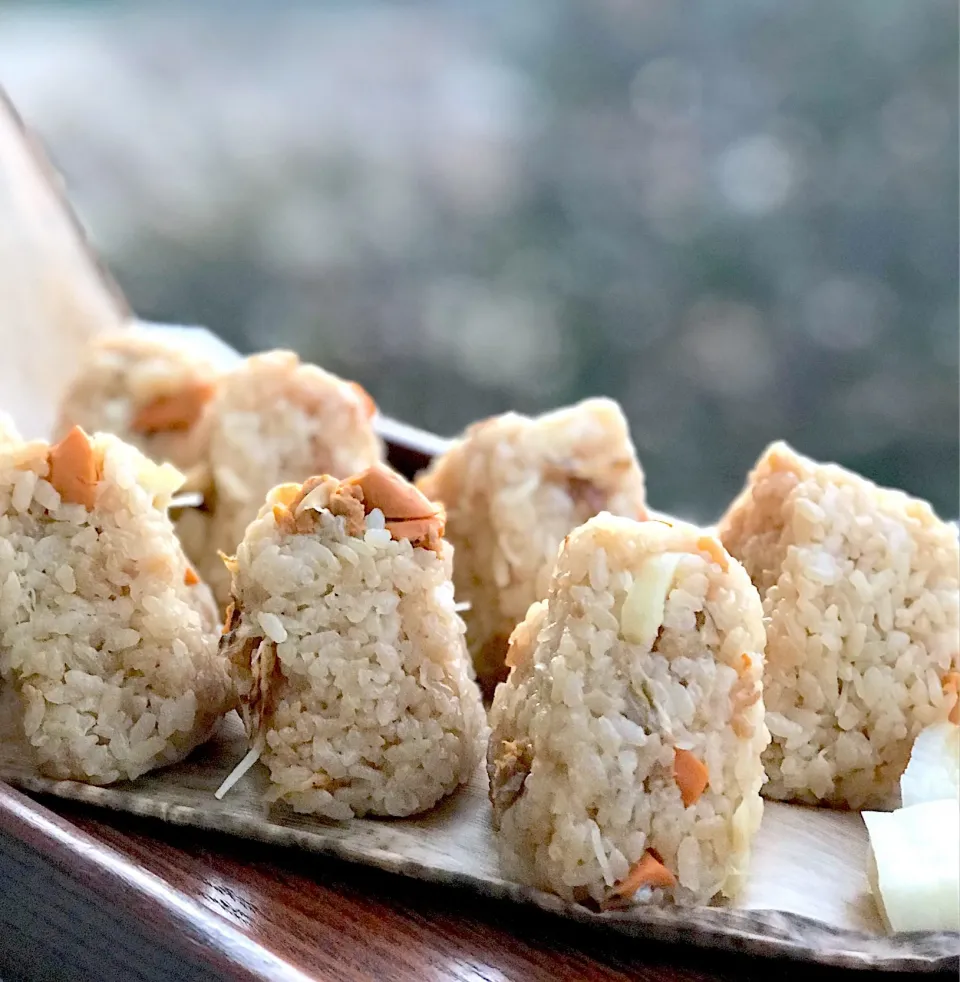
[(273, 420), (351, 658), (106, 635), (624, 758), (151, 393), (513, 487), (860, 595)]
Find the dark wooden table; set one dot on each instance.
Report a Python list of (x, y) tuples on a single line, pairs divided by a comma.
[(88, 895)]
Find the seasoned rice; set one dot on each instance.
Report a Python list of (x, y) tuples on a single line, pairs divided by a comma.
[(111, 651), (626, 741), (860, 594), (350, 654), (273, 420), (513, 487), (149, 392)]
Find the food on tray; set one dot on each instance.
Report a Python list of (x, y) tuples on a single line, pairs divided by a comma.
[(914, 863), (933, 772), (915, 866), (151, 393), (860, 592), (273, 420), (105, 632), (624, 759), (513, 487), (354, 672)]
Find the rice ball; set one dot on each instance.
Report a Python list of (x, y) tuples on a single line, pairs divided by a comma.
[(106, 634), (351, 658), (151, 393), (513, 487), (860, 595), (273, 420), (624, 758)]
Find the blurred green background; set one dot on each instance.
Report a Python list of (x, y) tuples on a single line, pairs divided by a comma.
[(738, 218)]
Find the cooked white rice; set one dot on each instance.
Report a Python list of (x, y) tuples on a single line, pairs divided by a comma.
[(860, 594), (274, 420), (351, 656), (645, 658), (149, 392), (113, 655), (513, 487)]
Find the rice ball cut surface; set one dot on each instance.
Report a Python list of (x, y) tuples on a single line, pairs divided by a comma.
[(860, 593), (106, 634), (624, 758), (353, 667), (513, 487), (274, 420), (150, 393)]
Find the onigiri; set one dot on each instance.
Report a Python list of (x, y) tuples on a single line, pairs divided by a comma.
[(624, 758), (343, 632)]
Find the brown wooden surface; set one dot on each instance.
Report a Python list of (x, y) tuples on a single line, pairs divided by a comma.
[(173, 903)]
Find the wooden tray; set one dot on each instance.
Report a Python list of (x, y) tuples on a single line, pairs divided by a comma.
[(807, 897)]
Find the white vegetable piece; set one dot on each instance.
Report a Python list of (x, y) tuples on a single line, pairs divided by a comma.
[(164, 480), (933, 772), (643, 608), (915, 865), (915, 851)]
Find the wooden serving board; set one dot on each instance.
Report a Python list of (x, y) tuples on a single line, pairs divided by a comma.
[(807, 896)]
